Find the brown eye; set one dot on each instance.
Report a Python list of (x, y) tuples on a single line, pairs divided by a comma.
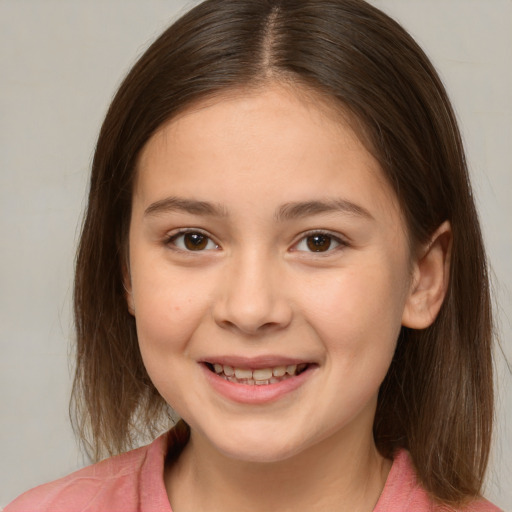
[(319, 243), (192, 241), (195, 241)]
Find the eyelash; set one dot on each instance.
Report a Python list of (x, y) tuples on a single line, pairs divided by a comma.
[(340, 243), (171, 240)]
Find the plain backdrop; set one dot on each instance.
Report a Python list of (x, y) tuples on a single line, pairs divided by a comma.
[(60, 63)]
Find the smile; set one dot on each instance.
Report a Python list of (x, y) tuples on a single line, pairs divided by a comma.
[(256, 377)]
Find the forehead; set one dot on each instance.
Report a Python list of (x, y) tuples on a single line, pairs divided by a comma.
[(251, 102), (278, 140)]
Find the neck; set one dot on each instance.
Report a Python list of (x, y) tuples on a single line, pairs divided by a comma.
[(340, 474)]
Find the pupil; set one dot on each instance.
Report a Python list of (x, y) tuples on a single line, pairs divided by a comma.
[(319, 243), (195, 241)]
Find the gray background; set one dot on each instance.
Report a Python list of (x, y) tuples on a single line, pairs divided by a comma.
[(60, 63)]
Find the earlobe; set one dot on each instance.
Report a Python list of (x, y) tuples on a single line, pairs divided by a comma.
[(127, 285), (429, 284), (129, 301)]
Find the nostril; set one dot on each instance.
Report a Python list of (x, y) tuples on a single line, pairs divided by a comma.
[(241, 307), (249, 328)]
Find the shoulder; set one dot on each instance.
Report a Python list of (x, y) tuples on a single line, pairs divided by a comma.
[(403, 492), (113, 484)]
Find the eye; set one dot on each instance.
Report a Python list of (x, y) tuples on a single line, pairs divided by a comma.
[(319, 242), (192, 241)]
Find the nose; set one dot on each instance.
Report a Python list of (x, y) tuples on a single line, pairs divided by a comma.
[(252, 297)]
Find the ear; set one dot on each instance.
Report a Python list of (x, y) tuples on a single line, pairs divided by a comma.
[(429, 284), (127, 285)]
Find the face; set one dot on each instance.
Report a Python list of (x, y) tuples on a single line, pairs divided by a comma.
[(269, 271)]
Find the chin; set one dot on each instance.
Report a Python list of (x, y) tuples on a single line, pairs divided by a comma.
[(259, 447)]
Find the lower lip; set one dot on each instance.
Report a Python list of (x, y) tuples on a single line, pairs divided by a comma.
[(256, 394)]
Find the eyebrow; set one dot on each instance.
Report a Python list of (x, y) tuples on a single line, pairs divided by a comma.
[(288, 211), (172, 204), (297, 210)]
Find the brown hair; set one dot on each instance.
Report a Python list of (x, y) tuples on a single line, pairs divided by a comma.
[(437, 399)]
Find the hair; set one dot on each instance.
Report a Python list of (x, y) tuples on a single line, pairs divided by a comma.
[(437, 398)]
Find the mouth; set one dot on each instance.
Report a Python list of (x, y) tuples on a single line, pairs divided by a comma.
[(259, 376)]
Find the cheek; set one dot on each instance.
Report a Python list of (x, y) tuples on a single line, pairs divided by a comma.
[(357, 310), (169, 306), (168, 313)]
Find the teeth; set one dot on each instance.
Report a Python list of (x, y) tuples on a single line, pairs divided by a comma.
[(290, 370), (243, 374), (260, 376), (301, 368), (229, 371), (279, 371), (263, 374)]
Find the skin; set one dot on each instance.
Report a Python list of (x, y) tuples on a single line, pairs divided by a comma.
[(257, 290)]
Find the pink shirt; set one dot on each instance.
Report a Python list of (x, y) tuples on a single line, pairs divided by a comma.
[(133, 481)]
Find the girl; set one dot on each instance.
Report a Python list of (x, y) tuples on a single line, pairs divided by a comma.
[(276, 247)]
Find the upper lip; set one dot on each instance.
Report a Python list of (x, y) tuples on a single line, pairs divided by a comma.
[(264, 361)]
